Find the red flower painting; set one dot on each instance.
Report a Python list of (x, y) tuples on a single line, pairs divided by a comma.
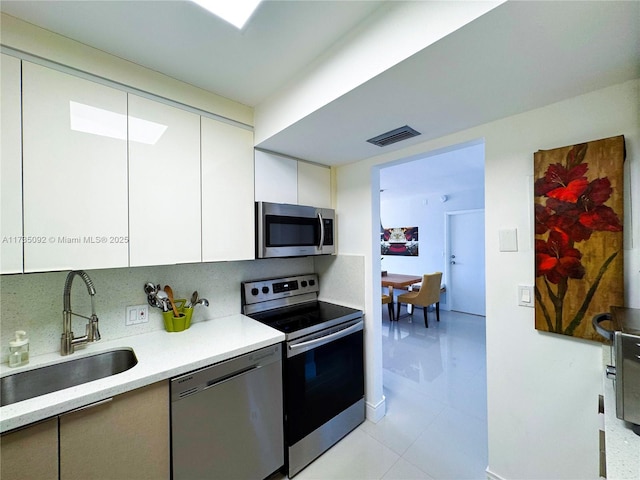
[(571, 205)]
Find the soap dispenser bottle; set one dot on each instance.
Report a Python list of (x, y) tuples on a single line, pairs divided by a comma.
[(19, 350)]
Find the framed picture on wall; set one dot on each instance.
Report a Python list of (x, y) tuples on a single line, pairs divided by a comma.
[(399, 241), (578, 204)]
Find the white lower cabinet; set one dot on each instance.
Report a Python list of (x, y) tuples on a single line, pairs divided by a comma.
[(74, 172), (228, 223), (10, 167), (164, 184)]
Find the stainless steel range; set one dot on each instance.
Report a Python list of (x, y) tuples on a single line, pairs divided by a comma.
[(323, 374)]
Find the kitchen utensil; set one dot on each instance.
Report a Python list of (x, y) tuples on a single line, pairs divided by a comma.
[(202, 301), (193, 299), (153, 300), (169, 293), (164, 298)]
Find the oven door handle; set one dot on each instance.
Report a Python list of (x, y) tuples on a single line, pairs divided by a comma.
[(317, 342)]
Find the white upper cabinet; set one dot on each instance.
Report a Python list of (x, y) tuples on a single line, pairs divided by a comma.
[(285, 180), (74, 172), (164, 184), (228, 223), (10, 168), (314, 185), (276, 178)]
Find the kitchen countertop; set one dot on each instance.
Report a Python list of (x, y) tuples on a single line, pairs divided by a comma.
[(161, 355), (622, 445)]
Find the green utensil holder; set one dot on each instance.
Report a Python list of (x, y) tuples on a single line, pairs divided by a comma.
[(181, 322)]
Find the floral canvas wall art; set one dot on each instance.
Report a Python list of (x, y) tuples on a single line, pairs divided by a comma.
[(578, 202), (399, 241)]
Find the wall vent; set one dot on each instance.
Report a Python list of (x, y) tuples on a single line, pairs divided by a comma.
[(394, 136)]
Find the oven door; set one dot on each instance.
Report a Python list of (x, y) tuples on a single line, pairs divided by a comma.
[(324, 377)]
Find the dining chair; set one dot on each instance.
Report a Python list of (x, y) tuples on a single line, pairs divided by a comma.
[(388, 300), (428, 294)]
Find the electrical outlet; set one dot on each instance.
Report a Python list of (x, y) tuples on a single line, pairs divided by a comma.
[(143, 313), (137, 314)]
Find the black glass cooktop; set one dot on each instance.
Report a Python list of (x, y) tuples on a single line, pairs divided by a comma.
[(306, 318)]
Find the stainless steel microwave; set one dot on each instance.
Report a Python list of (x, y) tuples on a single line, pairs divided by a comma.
[(284, 230)]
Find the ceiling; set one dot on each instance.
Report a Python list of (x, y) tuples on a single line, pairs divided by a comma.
[(517, 57), (184, 41)]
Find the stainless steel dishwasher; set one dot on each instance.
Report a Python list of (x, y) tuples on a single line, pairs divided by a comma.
[(226, 419)]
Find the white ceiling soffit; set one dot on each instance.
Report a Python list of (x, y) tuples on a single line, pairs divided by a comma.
[(183, 41), (517, 57), (386, 38)]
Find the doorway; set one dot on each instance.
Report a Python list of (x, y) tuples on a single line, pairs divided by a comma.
[(423, 192), (465, 268)]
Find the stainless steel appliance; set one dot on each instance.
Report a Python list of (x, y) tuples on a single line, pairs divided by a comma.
[(284, 230), (323, 363), (226, 420), (625, 335)]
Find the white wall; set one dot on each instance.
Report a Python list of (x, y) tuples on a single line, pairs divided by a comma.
[(430, 220), (542, 388)]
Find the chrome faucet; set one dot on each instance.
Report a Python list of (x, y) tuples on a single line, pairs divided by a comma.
[(68, 342)]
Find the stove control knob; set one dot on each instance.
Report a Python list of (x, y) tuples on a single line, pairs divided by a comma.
[(312, 282), (303, 283), (254, 291), (265, 289)]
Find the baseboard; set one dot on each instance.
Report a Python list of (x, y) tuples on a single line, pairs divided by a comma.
[(492, 475), (376, 412)]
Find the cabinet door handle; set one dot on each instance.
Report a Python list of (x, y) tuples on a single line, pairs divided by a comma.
[(91, 405)]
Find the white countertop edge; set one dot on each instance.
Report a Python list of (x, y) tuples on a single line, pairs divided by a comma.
[(621, 444), (161, 355)]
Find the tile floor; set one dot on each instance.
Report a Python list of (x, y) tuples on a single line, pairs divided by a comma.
[(436, 421)]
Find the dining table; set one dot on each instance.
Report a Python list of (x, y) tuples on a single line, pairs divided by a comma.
[(400, 280)]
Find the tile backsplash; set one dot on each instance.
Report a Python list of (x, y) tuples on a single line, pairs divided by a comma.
[(33, 301)]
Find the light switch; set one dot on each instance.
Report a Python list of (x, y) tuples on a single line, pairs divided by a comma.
[(525, 295), (508, 239)]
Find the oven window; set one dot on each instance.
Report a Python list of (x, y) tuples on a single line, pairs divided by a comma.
[(291, 231), (321, 383)]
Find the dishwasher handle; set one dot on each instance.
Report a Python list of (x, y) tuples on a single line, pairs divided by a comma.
[(199, 380), (231, 376)]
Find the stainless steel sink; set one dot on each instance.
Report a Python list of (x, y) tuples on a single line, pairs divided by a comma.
[(40, 381)]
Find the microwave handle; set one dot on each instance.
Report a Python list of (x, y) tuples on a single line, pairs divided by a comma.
[(321, 231)]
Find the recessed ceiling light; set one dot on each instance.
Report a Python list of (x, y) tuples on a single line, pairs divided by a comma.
[(236, 12)]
